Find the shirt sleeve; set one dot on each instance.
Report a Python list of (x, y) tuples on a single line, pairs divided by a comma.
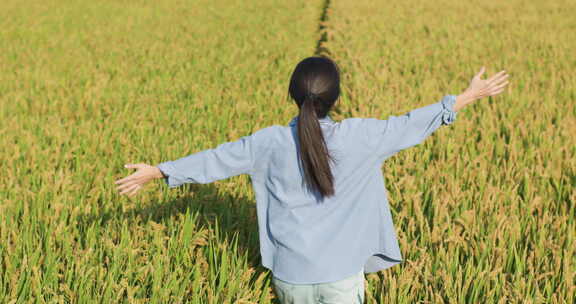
[(226, 160), (388, 137)]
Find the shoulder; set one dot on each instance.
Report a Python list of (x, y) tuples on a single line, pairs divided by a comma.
[(362, 125), (362, 131), (269, 131), (267, 136)]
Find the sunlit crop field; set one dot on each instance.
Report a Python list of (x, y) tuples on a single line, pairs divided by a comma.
[(484, 208)]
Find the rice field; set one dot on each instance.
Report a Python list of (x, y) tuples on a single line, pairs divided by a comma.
[(484, 208)]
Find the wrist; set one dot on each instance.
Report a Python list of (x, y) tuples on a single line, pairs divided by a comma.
[(158, 173), (463, 99)]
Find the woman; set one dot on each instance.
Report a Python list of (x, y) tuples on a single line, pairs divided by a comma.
[(322, 208)]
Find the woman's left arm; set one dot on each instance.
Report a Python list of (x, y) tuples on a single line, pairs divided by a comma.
[(226, 160)]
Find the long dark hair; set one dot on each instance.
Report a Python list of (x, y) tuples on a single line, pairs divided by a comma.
[(315, 87)]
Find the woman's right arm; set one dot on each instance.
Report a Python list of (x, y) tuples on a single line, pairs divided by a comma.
[(387, 137), (480, 88)]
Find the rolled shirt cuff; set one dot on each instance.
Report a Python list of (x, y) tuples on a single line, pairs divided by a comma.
[(169, 172), (448, 113)]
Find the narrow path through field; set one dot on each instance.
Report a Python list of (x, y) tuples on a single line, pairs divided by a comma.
[(341, 110), (323, 35)]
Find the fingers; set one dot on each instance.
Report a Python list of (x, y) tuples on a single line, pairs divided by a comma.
[(497, 92), (129, 178), (132, 176), (500, 85), (133, 192), (130, 189), (132, 179), (479, 74), (132, 183), (498, 81), (134, 166), (124, 180), (497, 76), (126, 185), (499, 89)]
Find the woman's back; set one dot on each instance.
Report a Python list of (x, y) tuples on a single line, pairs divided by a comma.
[(279, 162), (308, 238)]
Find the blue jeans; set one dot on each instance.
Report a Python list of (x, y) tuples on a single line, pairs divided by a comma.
[(346, 291)]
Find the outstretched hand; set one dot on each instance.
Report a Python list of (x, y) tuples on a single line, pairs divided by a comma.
[(489, 87), (480, 88), (134, 182)]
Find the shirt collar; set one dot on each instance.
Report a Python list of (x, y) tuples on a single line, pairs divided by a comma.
[(325, 120)]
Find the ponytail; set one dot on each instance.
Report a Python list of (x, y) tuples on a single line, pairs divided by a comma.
[(314, 154), (315, 87)]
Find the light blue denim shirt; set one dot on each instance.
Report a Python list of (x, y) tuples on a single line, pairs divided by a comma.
[(305, 239)]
